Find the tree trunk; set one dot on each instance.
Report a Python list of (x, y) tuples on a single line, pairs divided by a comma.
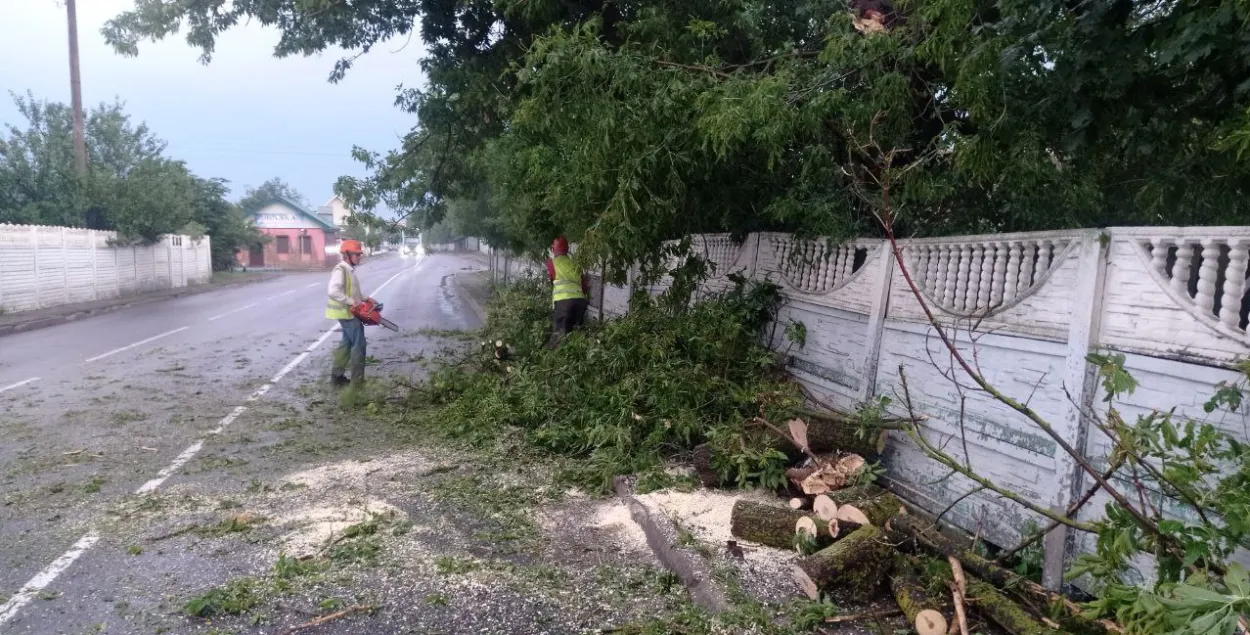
[(924, 611), (771, 526), (826, 435), (919, 533), (879, 509), (854, 566), (850, 495), (1003, 611)]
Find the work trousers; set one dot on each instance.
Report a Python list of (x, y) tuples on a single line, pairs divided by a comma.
[(351, 350), (569, 315)]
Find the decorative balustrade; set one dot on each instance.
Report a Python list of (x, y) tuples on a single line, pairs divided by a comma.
[(819, 266), (982, 277), (1207, 274), (719, 250)]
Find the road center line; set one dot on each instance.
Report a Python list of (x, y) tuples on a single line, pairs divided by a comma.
[(9, 609), (45, 577), (19, 384), (242, 308), (130, 346), (284, 293)]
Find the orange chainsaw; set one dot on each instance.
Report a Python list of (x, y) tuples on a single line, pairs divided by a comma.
[(370, 312)]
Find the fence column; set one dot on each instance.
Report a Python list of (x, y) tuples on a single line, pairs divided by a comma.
[(1080, 380), (95, 269), (884, 276), (34, 241)]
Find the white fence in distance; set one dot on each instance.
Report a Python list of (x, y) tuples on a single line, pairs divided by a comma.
[(42, 266)]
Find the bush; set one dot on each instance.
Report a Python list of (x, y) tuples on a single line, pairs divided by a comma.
[(620, 396)]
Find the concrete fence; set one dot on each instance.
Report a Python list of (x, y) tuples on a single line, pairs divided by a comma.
[(1025, 309), (43, 266)]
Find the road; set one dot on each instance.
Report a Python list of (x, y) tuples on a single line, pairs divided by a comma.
[(96, 411)]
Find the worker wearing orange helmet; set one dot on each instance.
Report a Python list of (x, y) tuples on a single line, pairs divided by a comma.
[(344, 293), (569, 291)]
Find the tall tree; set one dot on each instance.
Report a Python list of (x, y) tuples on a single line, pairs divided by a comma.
[(257, 197), (224, 221), (624, 124)]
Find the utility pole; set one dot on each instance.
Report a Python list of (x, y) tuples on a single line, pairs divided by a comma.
[(75, 84)]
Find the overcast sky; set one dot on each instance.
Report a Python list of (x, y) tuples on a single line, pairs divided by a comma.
[(246, 117)]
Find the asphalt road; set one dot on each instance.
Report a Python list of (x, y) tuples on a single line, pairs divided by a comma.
[(96, 411)]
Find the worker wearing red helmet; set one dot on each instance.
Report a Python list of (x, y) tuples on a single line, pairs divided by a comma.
[(568, 291), (344, 293)]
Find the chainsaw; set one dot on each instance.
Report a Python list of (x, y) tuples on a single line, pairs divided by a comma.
[(370, 312)]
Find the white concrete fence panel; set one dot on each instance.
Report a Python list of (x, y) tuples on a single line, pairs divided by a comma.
[(1024, 309), (42, 266)]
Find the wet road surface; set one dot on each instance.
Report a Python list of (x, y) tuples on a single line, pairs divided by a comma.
[(96, 411)]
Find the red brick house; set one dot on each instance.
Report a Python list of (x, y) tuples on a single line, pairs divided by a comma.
[(299, 238)]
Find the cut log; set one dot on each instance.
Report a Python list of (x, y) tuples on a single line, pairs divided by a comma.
[(827, 435), (918, 533), (857, 494), (853, 567), (824, 507), (799, 503), (878, 509), (1012, 617), (806, 525), (769, 525), (851, 514), (702, 459), (923, 611)]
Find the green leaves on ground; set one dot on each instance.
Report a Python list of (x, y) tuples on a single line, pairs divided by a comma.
[(624, 395)]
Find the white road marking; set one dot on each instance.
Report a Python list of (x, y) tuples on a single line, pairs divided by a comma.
[(315, 284), (284, 293), (45, 577), (19, 384), (290, 365), (139, 343), (242, 308), (41, 580), (174, 466)]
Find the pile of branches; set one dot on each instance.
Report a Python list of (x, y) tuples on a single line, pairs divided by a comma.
[(625, 396)]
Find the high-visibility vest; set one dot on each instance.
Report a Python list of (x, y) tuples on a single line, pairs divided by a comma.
[(568, 282), (336, 310)]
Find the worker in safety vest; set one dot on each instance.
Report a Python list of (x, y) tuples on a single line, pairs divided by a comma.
[(568, 291), (344, 293)]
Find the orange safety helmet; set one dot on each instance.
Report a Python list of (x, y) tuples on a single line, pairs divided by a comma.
[(560, 246), (351, 246)]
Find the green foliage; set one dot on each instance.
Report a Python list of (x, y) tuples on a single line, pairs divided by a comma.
[(1191, 482), (235, 597), (625, 124), (623, 395), (256, 198), (131, 187)]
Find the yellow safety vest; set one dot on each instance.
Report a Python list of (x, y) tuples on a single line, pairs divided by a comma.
[(336, 310), (568, 282)]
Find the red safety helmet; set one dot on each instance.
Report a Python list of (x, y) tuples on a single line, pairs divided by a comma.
[(351, 246), (560, 246)]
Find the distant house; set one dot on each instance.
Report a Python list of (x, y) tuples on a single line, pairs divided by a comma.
[(336, 211), (301, 239)]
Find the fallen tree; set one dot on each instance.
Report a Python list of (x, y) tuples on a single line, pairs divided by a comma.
[(924, 611), (772, 526), (854, 567)]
